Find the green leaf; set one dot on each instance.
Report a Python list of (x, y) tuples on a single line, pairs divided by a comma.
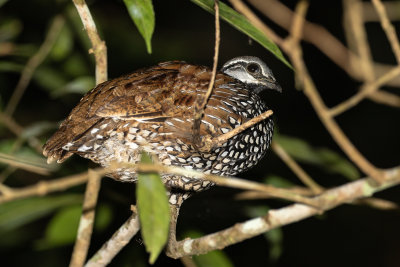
[(21, 212), (9, 29), (63, 45), (142, 14), (278, 181), (49, 78), (80, 85), (241, 23), (154, 213), (63, 227), (325, 158), (8, 66), (37, 128), (213, 258)]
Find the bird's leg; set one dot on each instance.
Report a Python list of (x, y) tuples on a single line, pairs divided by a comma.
[(175, 201), (208, 143)]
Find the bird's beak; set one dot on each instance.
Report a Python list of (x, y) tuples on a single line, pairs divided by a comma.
[(273, 84)]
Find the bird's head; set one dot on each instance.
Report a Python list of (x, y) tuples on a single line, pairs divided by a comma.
[(253, 72)]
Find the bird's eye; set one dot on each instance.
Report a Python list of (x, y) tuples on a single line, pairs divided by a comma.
[(253, 68)]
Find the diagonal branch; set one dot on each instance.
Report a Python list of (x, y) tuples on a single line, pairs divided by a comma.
[(284, 216)]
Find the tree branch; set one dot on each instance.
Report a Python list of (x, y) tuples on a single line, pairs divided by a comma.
[(284, 216)]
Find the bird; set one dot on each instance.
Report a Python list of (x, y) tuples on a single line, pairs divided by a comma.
[(153, 109)]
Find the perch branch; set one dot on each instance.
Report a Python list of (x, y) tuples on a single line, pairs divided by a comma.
[(276, 218)]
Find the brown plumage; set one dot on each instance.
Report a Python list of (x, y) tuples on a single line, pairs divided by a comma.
[(152, 110)]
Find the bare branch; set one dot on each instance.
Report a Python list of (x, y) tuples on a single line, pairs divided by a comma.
[(117, 242), (45, 187), (86, 221), (388, 28), (99, 48), (284, 216)]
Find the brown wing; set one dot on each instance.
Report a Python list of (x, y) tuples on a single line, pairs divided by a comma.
[(160, 93)]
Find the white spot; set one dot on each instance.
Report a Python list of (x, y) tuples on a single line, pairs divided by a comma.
[(232, 120), (84, 148), (176, 119), (99, 136), (196, 159), (226, 160), (199, 165), (94, 130), (187, 246), (172, 199), (133, 130), (181, 160), (256, 149), (218, 166), (133, 145), (169, 148), (224, 154), (146, 133), (253, 226), (103, 126), (67, 146), (224, 130)]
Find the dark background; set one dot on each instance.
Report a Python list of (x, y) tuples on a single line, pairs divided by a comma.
[(346, 236)]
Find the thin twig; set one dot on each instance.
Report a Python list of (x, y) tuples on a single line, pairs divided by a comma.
[(358, 38), (242, 8), (18, 130), (292, 164), (117, 242), (99, 48), (200, 106), (220, 180), (86, 221), (388, 28), (218, 141), (293, 49), (284, 216), (25, 164), (366, 90), (320, 38), (45, 187), (33, 63)]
